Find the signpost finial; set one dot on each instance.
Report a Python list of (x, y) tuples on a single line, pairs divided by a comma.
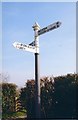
[(36, 26)]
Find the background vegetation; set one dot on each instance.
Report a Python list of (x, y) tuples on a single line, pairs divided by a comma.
[(58, 98)]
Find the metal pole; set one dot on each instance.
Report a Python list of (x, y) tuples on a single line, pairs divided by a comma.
[(37, 73), (37, 85)]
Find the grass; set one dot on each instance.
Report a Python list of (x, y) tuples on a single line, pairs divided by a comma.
[(18, 114)]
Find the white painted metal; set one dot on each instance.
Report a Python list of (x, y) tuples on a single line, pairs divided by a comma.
[(25, 47), (36, 27)]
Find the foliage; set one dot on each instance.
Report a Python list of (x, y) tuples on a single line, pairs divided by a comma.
[(27, 98), (58, 97), (10, 102), (8, 98)]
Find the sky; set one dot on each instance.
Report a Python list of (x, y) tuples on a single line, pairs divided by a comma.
[(0, 37), (57, 47), (76, 38), (39, 0)]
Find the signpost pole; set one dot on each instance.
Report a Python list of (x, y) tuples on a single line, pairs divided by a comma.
[(36, 27)]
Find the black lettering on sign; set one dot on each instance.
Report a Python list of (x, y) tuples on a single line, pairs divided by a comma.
[(21, 47), (42, 31)]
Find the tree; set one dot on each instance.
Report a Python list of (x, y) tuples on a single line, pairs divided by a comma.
[(8, 98), (58, 97), (27, 98)]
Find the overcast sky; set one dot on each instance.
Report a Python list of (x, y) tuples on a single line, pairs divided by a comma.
[(57, 47)]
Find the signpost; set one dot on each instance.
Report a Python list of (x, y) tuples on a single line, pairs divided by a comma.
[(34, 48)]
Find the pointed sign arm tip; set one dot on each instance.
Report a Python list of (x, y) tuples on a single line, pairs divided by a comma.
[(14, 44)]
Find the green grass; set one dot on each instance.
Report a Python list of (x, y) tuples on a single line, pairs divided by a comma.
[(19, 114)]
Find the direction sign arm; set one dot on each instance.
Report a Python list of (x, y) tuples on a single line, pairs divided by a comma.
[(49, 28), (25, 47)]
